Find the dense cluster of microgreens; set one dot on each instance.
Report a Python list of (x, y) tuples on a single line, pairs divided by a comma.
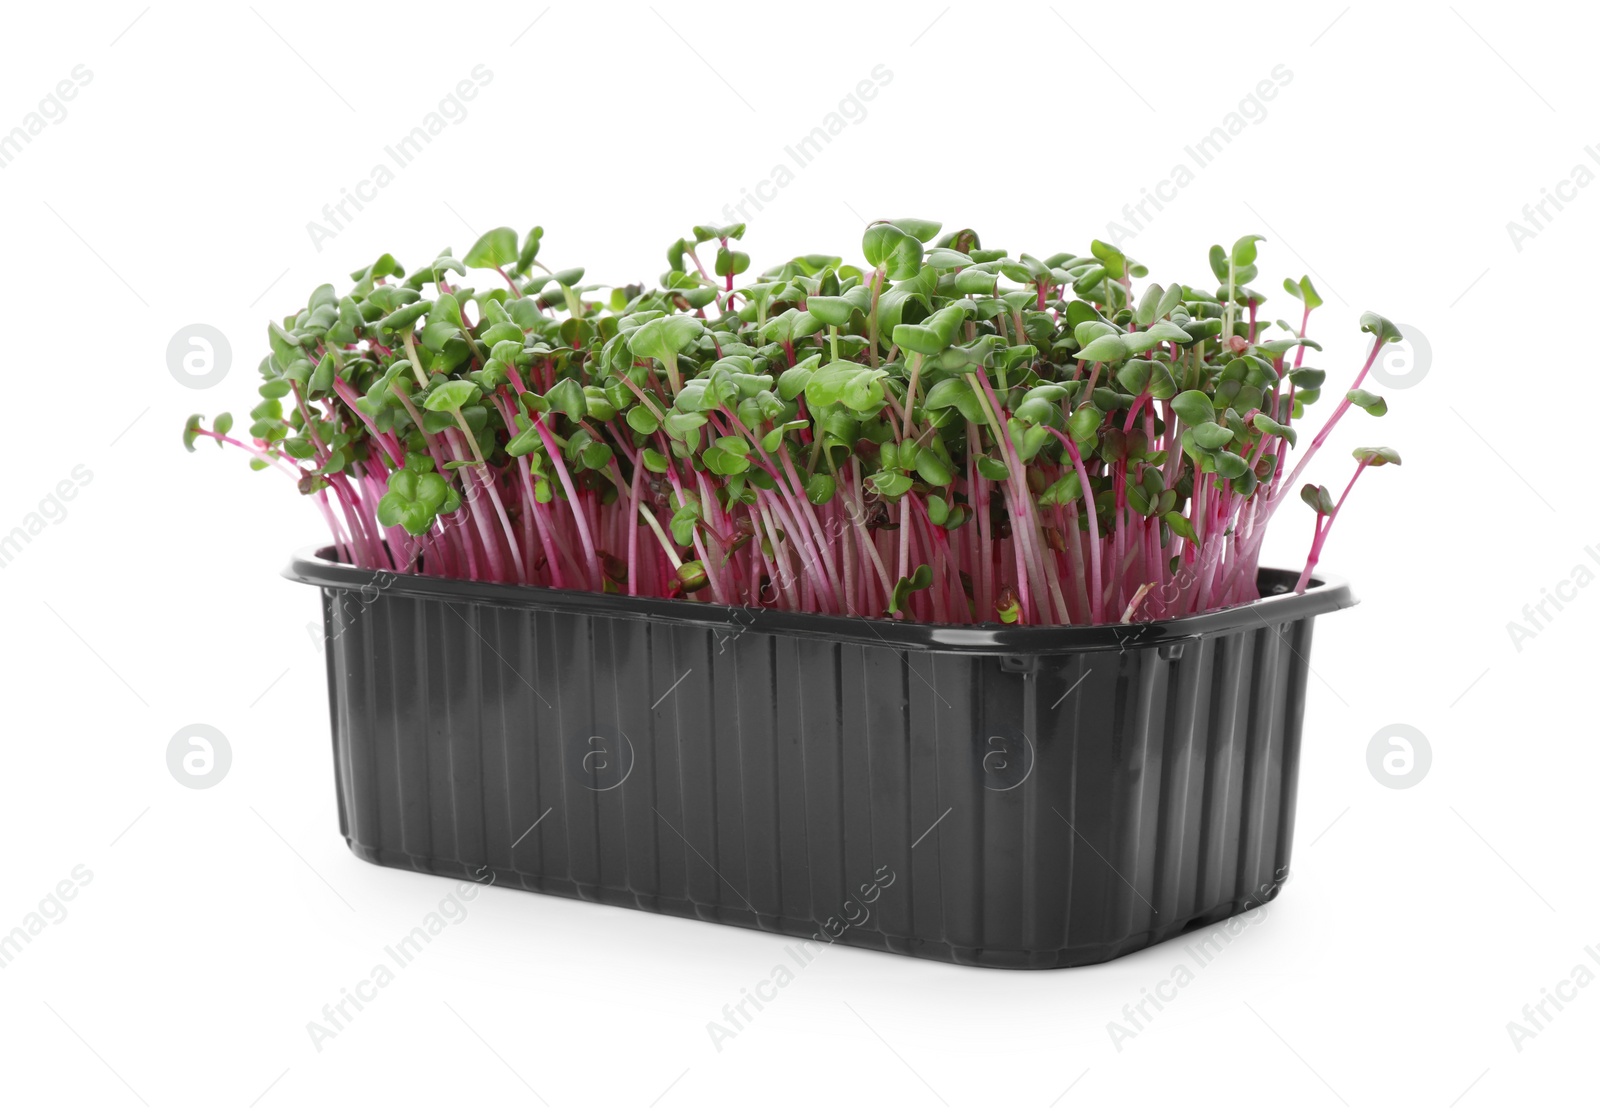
[(949, 435)]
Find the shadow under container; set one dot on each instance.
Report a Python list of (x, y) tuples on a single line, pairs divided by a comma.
[(991, 796)]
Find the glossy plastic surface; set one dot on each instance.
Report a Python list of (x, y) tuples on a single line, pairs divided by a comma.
[(990, 796)]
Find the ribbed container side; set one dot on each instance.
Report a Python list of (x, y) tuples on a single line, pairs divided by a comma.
[(1003, 810)]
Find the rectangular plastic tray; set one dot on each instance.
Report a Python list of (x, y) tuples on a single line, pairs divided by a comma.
[(993, 796)]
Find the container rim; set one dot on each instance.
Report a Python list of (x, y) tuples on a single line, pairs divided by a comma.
[(1278, 604)]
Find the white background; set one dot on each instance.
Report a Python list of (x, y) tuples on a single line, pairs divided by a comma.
[(177, 190)]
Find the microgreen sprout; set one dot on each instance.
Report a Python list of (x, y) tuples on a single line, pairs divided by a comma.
[(947, 434)]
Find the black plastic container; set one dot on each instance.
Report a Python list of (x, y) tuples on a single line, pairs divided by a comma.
[(993, 796)]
